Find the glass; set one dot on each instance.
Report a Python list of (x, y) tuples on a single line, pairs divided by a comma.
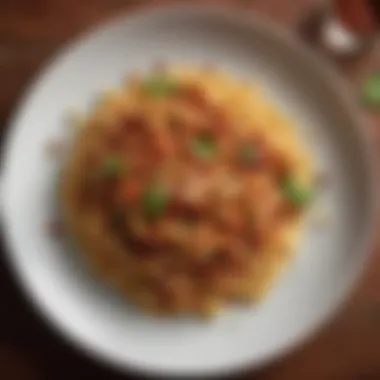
[(349, 25)]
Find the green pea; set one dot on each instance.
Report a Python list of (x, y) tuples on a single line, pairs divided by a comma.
[(154, 201), (296, 193), (204, 146), (158, 86)]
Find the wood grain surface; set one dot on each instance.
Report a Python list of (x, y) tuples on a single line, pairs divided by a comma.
[(348, 348)]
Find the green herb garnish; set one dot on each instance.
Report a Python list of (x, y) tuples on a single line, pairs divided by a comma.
[(204, 146), (160, 86), (111, 166), (296, 193), (370, 90), (154, 201), (248, 154)]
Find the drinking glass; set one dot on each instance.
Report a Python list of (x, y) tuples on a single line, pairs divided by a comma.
[(348, 25)]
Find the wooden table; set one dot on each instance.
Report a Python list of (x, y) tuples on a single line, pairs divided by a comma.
[(30, 31)]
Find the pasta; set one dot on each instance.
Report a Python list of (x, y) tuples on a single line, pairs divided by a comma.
[(186, 190)]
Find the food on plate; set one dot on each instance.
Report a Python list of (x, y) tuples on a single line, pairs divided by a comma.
[(186, 190)]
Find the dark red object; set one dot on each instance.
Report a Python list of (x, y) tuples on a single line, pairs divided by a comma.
[(361, 16)]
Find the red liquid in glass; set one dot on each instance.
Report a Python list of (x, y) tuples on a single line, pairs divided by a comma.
[(361, 16)]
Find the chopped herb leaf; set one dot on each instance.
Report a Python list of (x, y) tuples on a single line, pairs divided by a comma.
[(371, 90), (154, 201), (204, 146), (111, 166), (160, 86), (296, 193), (248, 154)]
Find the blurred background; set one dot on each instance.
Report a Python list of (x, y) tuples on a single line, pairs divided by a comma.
[(32, 30)]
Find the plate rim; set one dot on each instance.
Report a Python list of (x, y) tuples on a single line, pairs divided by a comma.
[(258, 22)]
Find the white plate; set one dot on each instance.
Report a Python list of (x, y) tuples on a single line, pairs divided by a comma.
[(328, 261)]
